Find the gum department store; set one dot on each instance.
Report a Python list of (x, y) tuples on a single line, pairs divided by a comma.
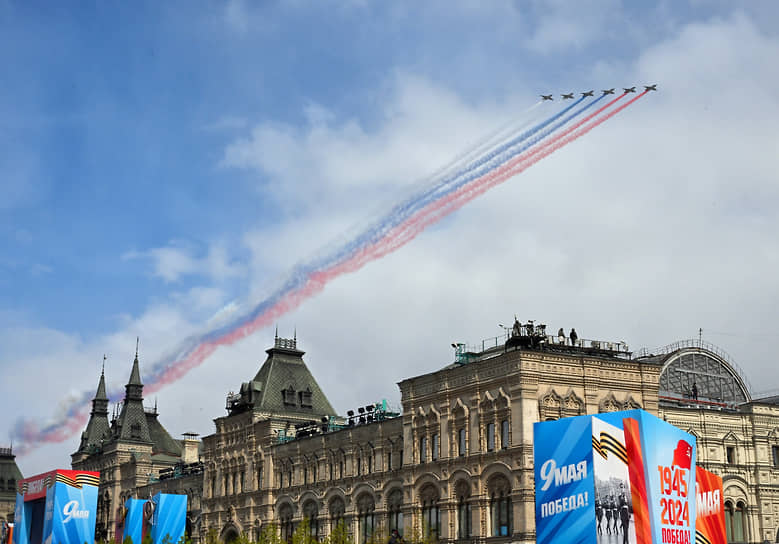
[(457, 461)]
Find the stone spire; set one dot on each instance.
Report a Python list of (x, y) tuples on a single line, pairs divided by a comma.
[(131, 423), (134, 387), (98, 428)]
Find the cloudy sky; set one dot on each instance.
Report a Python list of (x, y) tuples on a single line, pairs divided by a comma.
[(162, 165)]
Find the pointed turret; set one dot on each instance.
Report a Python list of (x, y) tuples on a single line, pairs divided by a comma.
[(131, 423), (98, 428)]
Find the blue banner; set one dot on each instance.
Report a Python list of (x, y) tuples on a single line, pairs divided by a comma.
[(170, 516)]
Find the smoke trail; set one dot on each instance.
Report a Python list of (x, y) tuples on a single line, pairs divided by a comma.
[(444, 207), (496, 164)]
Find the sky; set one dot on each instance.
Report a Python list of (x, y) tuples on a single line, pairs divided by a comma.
[(164, 164)]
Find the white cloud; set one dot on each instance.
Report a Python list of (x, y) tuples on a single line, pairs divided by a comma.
[(174, 261), (565, 25)]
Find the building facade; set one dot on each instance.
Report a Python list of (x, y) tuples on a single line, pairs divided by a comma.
[(9, 476), (135, 456), (455, 463)]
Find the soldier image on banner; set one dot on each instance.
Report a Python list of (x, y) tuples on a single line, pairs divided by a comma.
[(612, 483)]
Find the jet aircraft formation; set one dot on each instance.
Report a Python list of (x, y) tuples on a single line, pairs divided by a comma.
[(625, 90)]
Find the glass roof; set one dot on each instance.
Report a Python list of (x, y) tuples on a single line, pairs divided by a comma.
[(697, 373)]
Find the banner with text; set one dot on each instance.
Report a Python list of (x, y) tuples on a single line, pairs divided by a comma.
[(625, 477)]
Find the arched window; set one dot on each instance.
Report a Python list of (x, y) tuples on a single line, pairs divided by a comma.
[(365, 517), (500, 506), (311, 513), (423, 449), (735, 521), (394, 503), (285, 522), (740, 522), (464, 514), (431, 515), (337, 509)]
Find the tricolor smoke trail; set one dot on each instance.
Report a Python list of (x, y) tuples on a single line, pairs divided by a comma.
[(489, 163)]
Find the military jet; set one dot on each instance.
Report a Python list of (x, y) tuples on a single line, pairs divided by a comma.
[(648, 88), (629, 90), (547, 97), (588, 93), (567, 96), (608, 91)]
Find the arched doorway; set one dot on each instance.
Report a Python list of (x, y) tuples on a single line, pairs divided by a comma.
[(230, 534)]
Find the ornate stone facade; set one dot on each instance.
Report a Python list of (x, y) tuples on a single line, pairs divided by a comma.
[(9, 477), (458, 461), (132, 453)]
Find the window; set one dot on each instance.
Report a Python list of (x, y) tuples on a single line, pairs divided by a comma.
[(499, 490), (394, 503), (389, 460), (730, 455), (435, 447), (259, 478), (500, 513), (337, 509), (775, 451), (305, 398), (463, 519), (431, 514), (491, 437), (359, 465), (288, 395), (464, 514), (423, 449), (365, 518), (462, 446), (313, 471), (504, 434), (243, 476), (735, 521), (341, 468), (369, 463), (285, 521), (330, 470), (311, 513), (305, 475)]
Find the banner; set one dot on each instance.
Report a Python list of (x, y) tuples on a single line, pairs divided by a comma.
[(163, 518), (58, 506), (170, 517), (710, 508), (625, 477)]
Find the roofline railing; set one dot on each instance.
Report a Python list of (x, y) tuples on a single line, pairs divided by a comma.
[(617, 347)]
